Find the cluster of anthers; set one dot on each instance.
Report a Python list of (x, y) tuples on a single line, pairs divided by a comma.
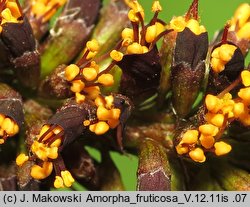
[(86, 78), (9, 12), (43, 10), (221, 56), (240, 23), (140, 38), (8, 128), (221, 111), (46, 148), (179, 23)]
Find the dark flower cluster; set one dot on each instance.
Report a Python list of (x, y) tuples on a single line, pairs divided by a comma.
[(77, 73)]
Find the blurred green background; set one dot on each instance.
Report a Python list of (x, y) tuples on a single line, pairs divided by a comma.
[(214, 14)]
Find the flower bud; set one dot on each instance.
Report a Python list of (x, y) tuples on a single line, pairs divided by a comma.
[(188, 66), (153, 172)]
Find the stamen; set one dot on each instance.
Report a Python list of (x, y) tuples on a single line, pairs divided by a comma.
[(159, 37), (54, 138), (143, 29), (230, 87), (83, 58), (46, 133), (112, 64), (136, 31)]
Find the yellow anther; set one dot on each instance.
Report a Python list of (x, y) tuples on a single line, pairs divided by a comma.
[(2, 117), (58, 183), (106, 79), (116, 55), (243, 32), (197, 155), (57, 130), (52, 152), (178, 24), (226, 52), (194, 26), (91, 55), (77, 86), (43, 130), (145, 49), (2, 132), (109, 101), (15, 129), (134, 48), (220, 56), (207, 141), (100, 101), (241, 15), (134, 5), (89, 74), (190, 137), (159, 28), (86, 123), (156, 7), (115, 113), (245, 77), (80, 98), (8, 126), (99, 128), (22, 158), (227, 96), (227, 108), (239, 109), (217, 65), (132, 16), (41, 150), (67, 178), (92, 92), (215, 53), (1, 29), (222, 148), (2, 141), (212, 103), (181, 150), (128, 33), (202, 29), (151, 33), (71, 72), (57, 142), (215, 119), (208, 129), (93, 45), (39, 173), (244, 93), (103, 113)]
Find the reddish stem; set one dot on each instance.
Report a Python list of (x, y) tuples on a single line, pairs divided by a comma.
[(225, 32)]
